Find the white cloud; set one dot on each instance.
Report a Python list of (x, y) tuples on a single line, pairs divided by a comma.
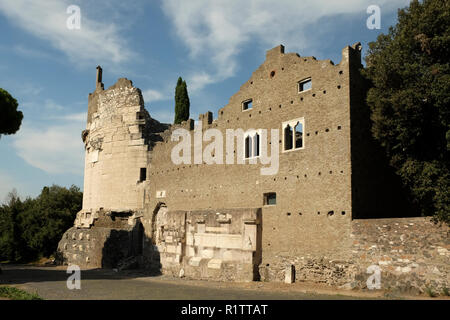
[(55, 149), (47, 20), (49, 104), (151, 95), (216, 31), (198, 81), (73, 117)]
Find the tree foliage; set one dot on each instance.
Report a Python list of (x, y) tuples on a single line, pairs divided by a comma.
[(10, 117), (410, 72), (32, 228), (182, 103)]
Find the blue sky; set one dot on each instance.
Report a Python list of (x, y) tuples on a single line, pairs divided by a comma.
[(214, 44)]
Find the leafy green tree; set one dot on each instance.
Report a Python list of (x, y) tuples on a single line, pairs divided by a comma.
[(13, 248), (10, 117), (410, 72), (182, 103), (33, 228)]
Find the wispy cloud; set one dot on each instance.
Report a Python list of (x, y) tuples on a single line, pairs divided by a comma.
[(73, 117), (47, 20), (30, 53), (49, 104), (54, 149), (151, 95), (217, 31)]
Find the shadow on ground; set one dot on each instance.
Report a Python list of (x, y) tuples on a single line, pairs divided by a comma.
[(19, 274)]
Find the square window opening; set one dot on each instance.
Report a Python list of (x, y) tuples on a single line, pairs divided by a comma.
[(270, 199), (247, 105), (304, 85)]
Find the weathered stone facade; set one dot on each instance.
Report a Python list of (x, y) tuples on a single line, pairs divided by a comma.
[(196, 219)]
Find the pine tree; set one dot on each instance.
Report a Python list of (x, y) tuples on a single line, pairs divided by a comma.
[(182, 103), (11, 118)]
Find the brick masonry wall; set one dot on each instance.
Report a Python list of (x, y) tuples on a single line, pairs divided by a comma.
[(313, 185)]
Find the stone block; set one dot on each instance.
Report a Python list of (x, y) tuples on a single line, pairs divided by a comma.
[(215, 264), (289, 274), (195, 261), (207, 253)]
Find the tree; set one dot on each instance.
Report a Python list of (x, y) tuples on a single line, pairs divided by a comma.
[(182, 103), (11, 118), (33, 228), (409, 99)]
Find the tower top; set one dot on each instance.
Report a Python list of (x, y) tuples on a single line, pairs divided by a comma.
[(98, 83)]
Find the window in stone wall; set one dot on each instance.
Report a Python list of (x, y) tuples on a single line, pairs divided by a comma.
[(252, 144), (270, 199), (248, 147), (299, 135), (287, 137), (143, 175), (304, 85), (247, 105), (293, 134), (256, 143)]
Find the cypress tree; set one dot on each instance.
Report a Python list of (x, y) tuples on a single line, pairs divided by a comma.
[(182, 103)]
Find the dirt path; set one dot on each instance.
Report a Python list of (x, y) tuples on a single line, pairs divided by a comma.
[(50, 283)]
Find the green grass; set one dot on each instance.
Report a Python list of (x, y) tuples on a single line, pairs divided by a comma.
[(17, 294), (430, 292)]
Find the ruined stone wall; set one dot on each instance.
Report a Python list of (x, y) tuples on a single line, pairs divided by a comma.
[(207, 244), (110, 238), (116, 148), (413, 254), (313, 185)]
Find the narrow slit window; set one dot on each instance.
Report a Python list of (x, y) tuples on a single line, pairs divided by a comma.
[(143, 175), (298, 135), (247, 105), (304, 85), (288, 138), (270, 199)]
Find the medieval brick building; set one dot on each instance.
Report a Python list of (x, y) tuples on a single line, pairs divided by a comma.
[(225, 219)]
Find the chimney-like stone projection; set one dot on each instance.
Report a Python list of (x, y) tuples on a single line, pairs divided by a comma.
[(98, 83)]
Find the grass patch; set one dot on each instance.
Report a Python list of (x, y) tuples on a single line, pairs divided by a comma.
[(430, 292), (17, 294)]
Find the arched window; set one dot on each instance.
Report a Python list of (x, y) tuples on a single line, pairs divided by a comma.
[(288, 138), (248, 147), (256, 143), (293, 134), (299, 135)]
